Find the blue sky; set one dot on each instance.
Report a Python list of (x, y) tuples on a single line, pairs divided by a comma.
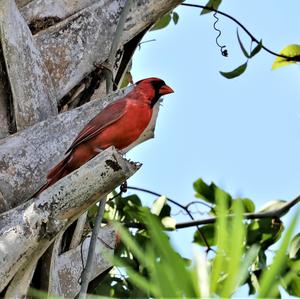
[(243, 134)]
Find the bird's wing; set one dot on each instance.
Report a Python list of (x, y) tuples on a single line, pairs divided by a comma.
[(106, 117)]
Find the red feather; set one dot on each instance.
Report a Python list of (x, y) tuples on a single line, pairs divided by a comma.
[(119, 125), (108, 116)]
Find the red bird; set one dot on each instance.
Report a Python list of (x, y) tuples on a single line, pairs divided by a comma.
[(119, 124)]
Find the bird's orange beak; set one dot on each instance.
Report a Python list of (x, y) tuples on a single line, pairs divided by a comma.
[(165, 89)]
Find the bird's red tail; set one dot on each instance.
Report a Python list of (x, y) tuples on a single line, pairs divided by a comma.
[(55, 174)]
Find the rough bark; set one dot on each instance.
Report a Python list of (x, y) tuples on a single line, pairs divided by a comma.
[(72, 47), (18, 286), (4, 128), (63, 275), (22, 3), (29, 228), (33, 94), (67, 267), (39, 10), (26, 157), (79, 229)]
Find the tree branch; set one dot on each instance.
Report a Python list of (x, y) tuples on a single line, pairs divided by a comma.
[(78, 232), (26, 157), (36, 223), (73, 261), (253, 38), (89, 266), (176, 203), (115, 45), (34, 98), (276, 213), (18, 286), (5, 119), (38, 10), (72, 47)]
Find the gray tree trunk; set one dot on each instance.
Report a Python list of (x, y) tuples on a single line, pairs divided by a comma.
[(48, 57)]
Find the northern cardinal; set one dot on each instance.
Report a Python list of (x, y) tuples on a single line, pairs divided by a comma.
[(119, 124)]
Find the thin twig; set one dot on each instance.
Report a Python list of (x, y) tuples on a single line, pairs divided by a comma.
[(277, 213), (114, 47), (169, 199), (186, 208), (146, 41), (223, 50), (85, 276), (289, 58)]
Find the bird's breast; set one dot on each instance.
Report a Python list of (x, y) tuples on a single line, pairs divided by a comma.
[(127, 129)]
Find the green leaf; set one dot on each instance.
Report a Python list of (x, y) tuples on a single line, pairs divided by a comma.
[(295, 247), (169, 222), (256, 49), (41, 294), (222, 237), (264, 232), (248, 259), (241, 44), (261, 261), (208, 192), (127, 238), (248, 204), (255, 280), (175, 16), (213, 4), (138, 279), (208, 231), (269, 279), (142, 238), (291, 281), (126, 80), (272, 205), (236, 72), (92, 212), (158, 205), (162, 22), (105, 289), (290, 51), (169, 263), (235, 251), (132, 200), (205, 191), (156, 263)]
